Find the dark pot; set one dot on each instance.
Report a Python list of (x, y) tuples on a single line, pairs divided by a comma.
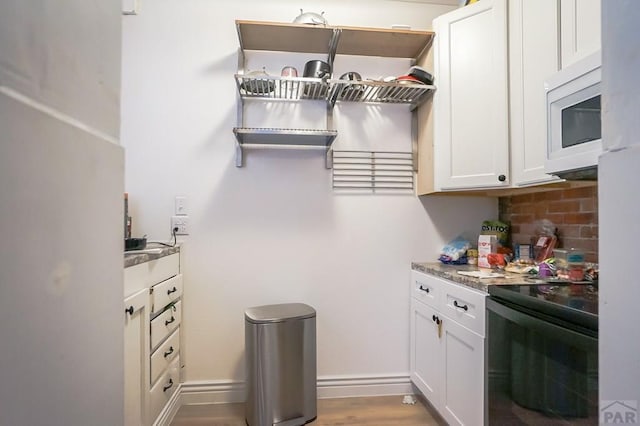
[(317, 69)]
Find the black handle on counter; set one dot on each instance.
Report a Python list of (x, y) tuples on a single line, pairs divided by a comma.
[(502, 178), (173, 290), (166, 388), (436, 319), (129, 310), (169, 352), (425, 289), (463, 307), (169, 321)]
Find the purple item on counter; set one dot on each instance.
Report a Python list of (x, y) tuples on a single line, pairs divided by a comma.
[(545, 270)]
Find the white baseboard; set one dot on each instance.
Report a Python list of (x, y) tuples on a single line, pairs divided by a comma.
[(170, 409), (343, 387), (220, 392)]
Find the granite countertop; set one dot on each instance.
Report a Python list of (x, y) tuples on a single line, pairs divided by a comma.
[(450, 272), (151, 252)]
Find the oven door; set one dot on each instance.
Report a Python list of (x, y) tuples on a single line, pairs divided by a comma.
[(539, 372)]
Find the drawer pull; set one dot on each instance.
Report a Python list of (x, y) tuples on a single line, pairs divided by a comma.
[(169, 352), (173, 290), (129, 310), (425, 289), (167, 322), (463, 307), (166, 388)]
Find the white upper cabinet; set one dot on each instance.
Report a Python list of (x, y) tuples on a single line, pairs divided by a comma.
[(471, 139), (580, 29), (533, 56)]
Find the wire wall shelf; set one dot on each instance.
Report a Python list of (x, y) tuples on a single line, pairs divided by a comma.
[(305, 88)]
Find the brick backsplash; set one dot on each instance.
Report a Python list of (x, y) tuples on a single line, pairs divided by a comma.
[(573, 211)]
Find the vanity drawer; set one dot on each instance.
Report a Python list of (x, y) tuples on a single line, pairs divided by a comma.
[(165, 293), (165, 323), (147, 274), (162, 391), (426, 289), (166, 352), (465, 306)]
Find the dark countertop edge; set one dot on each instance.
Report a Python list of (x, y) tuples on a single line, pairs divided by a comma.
[(450, 272), (132, 259)]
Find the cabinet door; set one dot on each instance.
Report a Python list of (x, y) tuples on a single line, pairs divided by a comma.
[(136, 342), (463, 390), (533, 56), (471, 139), (425, 358), (580, 29)]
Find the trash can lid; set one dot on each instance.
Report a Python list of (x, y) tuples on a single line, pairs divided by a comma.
[(279, 313)]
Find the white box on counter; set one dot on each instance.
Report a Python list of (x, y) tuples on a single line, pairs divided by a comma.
[(486, 244)]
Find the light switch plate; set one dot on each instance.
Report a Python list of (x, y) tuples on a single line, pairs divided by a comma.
[(181, 206)]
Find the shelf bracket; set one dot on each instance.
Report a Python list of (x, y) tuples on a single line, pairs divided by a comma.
[(333, 47), (329, 158), (414, 140), (239, 155)]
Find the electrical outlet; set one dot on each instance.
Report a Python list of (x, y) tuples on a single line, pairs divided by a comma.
[(180, 222), (180, 206)]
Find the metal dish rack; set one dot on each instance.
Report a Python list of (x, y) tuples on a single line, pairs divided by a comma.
[(293, 38)]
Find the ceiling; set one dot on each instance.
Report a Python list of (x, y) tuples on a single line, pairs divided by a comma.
[(447, 2)]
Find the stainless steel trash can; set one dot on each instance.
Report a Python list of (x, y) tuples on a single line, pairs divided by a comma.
[(280, 348)]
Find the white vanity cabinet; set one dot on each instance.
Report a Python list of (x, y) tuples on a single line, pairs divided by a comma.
[(136, 342), (153, 306), (447, 347)]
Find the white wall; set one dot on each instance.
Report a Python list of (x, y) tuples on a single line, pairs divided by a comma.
[(619, 202), (62, 175), (274, 231)]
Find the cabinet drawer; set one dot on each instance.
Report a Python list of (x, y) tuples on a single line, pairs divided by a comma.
[(162, 391), (166, 292), (166, 352), (165, 323), (145, 275), (465, 306), (426, 289)]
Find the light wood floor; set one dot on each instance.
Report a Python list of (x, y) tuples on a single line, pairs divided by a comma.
[(370, 411)]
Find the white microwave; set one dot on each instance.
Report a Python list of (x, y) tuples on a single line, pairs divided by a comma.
[(574, 125)]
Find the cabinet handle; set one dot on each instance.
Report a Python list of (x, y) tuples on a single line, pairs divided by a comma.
[(173, 290), (438, 321), (166, 388), (463, 307), (502, 178), (425, 289), (129, 310), (169, 352), (167, 322)]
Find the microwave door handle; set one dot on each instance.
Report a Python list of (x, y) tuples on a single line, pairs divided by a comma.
[(542, 327)]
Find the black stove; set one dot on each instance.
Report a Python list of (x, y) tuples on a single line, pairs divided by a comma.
[(573, 305)]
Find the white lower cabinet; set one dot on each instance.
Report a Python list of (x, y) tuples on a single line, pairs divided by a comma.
[(153, 312), (136, 342), (446, 357)]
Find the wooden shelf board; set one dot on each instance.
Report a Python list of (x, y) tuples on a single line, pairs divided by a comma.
[(389, 43), (283, 37)]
